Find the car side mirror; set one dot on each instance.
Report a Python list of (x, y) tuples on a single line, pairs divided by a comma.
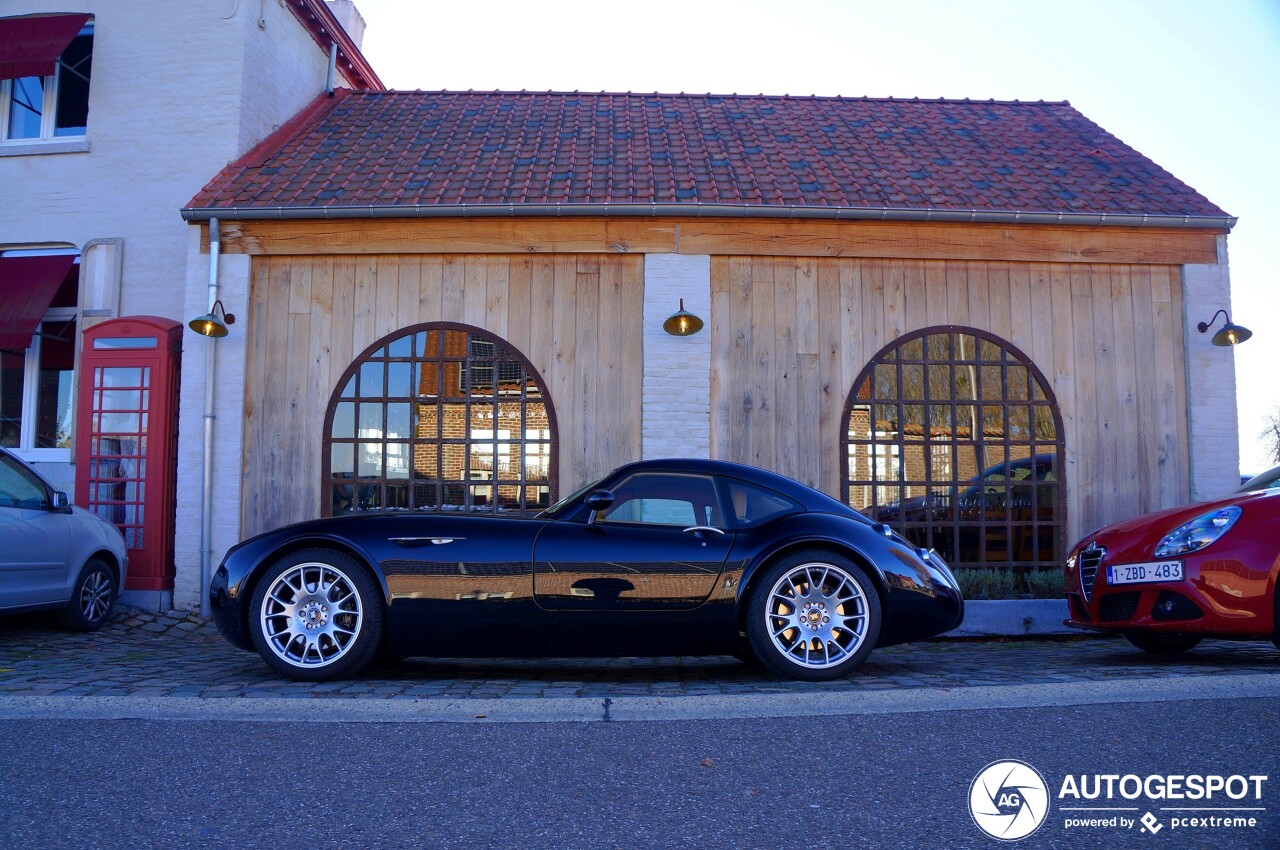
[(596, 502), (60, 501)]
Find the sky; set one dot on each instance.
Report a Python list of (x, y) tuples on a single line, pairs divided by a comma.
[(1192, 84)]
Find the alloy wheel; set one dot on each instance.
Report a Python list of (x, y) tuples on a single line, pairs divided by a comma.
[(816, 615), (311, 615), (95, 596)]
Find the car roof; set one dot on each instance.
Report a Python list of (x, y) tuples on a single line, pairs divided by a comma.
[(810, 498)]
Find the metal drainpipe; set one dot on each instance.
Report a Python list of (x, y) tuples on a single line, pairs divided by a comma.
[(206, 483)]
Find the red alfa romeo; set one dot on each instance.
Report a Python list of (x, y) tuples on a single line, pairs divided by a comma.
[(1167, 580)]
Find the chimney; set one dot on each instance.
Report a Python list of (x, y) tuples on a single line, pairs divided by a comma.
[(349, 16)]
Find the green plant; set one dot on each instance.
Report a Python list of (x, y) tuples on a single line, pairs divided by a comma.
[(987, 583)]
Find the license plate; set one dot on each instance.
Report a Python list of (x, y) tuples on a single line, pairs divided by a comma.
[(1143, 573)]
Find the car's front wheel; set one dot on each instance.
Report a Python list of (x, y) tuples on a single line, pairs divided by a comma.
[(1162, 643), (92, 598), (814, 615), (316, 614)]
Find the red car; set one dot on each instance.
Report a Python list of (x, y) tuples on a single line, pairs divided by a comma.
[(1168, 580)]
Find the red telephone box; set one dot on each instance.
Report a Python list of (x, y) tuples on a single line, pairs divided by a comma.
[(127, 439)]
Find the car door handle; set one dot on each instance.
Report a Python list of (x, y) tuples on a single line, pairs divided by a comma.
[(699, 529)]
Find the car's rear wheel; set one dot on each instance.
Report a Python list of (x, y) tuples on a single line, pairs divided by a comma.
[(815, 615), (92, 598), (1162, 643), (316, 614)]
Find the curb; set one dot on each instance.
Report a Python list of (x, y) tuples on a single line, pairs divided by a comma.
[(1010, 617)]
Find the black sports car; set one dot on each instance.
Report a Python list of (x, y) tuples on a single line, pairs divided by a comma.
[(670, 557)]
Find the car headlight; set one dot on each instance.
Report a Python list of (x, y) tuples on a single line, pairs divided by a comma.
[(1197, 534)]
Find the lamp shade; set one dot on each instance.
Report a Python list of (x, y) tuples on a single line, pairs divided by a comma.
[(682, 322), (1231, 335)]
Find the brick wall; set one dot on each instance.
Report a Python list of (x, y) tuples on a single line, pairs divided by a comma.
[(677, 370), (1213, 426)]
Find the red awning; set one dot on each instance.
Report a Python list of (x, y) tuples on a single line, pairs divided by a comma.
[(27, 287), (30, 46)]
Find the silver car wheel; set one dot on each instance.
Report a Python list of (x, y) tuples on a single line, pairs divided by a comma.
[(311, 615), (95, 596), (816, 615)]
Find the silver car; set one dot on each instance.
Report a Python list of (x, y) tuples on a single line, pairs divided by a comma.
[(54, 555)]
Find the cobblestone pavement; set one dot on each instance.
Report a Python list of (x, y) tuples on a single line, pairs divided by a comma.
[(178, 654)]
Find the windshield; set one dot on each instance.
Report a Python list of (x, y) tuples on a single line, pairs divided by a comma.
[(1270, 478), (558, 508)]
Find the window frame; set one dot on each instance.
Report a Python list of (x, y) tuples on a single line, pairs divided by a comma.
[(1010, 357), (49, 110), (548, 446), (26, 450)]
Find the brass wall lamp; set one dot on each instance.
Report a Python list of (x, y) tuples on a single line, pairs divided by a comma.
[(208, 324), (1229, 334), (682, 322)]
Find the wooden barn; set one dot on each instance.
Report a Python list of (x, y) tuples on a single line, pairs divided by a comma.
[(973, 320)]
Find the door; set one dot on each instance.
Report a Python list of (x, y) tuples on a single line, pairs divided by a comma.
[(34, 544), (660, 546)]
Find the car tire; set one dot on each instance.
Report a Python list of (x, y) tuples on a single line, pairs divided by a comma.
[(1275, 623), (813, 615), (317, 615), (92, 598), (1162, 643)]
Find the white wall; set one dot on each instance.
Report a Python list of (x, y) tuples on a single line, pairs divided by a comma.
[(178, 90), (1211, 381), (677, 369)]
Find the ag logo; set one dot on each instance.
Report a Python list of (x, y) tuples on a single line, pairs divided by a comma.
[(1008, 800)]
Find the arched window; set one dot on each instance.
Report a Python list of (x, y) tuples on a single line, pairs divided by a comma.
[(440, 417), (954, 439)]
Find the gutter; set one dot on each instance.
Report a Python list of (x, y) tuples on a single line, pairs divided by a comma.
[(1200, 222)]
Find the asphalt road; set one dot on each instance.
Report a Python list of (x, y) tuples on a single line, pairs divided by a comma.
[(881, 780)]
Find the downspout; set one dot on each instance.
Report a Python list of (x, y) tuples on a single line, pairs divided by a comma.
[(206, 483)]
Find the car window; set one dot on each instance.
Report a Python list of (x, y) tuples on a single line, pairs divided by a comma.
[(652, 498), (752, 504), (19, 487)]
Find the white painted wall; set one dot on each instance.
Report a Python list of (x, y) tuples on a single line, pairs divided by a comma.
[(1211, 381), (677, 370), (178, 91)]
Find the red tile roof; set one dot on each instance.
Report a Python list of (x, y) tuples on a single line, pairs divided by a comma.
[(514, 153)]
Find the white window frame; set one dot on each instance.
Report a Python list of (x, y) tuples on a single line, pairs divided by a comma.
[(48, 115), (26, 448)]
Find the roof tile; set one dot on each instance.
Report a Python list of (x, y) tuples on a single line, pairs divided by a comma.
[(394, 149)]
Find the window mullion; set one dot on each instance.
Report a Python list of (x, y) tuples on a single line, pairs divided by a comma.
[(30, 382), (48, 118), (6, 104)]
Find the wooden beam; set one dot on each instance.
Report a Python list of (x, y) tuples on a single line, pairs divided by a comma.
[(449, 236), (724, 237), (943, 241)]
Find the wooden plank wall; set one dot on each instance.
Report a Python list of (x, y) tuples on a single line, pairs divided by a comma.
[(573, 316), (789, 337)]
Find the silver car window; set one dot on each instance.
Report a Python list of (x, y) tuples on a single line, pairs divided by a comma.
[(19, 487)]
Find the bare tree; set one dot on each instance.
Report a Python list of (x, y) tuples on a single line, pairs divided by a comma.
[(1271, 434)]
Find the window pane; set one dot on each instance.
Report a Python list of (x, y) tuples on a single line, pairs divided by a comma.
[(72, 115), (53, 391), (26, 108), (12, 370)]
